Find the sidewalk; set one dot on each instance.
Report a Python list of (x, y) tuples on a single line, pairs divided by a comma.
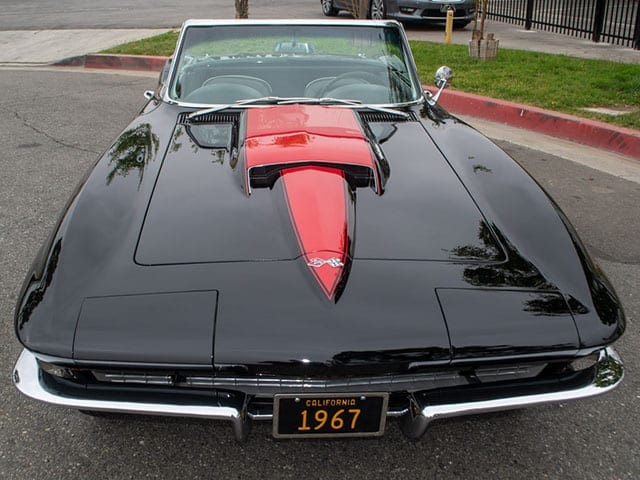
[(43, 47)]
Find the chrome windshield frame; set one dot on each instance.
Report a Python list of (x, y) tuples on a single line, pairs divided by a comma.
[(411, 66)]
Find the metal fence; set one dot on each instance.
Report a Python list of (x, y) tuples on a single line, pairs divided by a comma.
[(610, 21)]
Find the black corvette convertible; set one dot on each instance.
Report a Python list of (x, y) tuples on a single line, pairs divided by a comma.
[(293, 231)]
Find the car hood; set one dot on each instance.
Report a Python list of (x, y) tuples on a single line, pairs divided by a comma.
[(314, 181), (307, 241)]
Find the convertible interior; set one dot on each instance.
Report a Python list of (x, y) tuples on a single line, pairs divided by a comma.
[(227, 81)]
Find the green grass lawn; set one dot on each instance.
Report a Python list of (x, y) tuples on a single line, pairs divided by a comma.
[(162, 44), (555, 82)]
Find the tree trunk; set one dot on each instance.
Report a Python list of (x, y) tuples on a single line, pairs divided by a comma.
[(360, 8), (242, 8), (485, 5), (476, 30)]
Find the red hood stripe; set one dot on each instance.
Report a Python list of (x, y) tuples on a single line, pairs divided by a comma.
[(316, 198)]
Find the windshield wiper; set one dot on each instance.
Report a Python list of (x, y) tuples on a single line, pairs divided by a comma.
[(239, 103), (295, 100), (319, 101), (349, 103)]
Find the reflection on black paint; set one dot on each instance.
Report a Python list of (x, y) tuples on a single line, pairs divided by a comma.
[(132, 151), (606, 304), (351, 216), (217, 152), (176, 144), (576, 307), (610, 372), (375, 362), (488, 251), (480, 351), (36, 296), (547, 305), (481, 169), (516, 271), (218, 156), (407, 355)]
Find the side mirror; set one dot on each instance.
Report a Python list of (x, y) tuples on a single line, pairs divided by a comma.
[(442, 76), (442, 79)]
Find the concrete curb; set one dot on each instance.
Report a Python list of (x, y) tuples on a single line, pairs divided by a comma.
[(623, 141)]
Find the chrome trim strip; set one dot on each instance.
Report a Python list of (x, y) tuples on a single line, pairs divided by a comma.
[(268, 416), (270, 386), (608, 374), (264, 386), (27, 379), (214, 22)]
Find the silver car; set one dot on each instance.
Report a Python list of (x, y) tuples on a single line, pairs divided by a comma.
[(409, 10)]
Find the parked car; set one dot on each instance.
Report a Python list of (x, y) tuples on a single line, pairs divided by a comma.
[(431, 11), (293, 231)]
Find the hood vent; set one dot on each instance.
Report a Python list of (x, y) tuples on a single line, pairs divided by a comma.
[(386, 117), (214, 117), (233, 117)]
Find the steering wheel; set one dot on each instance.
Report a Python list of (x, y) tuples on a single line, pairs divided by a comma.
[(350, 78)]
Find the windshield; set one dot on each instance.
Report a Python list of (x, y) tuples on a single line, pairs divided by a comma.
[(229, 63)]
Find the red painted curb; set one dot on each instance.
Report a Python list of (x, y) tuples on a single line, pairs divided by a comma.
[(579, 130), (125, 62), (624, 141)]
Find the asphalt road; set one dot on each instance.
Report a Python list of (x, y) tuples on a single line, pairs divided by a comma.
[(70, 14), (53, 126)]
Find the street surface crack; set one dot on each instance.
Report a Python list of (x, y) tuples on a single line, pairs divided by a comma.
[(50, 137)]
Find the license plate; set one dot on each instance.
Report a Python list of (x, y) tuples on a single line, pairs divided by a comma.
[(309, 415)]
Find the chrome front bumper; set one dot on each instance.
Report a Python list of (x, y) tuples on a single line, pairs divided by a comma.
[(607, 373)]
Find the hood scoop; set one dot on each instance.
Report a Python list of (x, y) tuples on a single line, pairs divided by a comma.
[(286, 136)]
